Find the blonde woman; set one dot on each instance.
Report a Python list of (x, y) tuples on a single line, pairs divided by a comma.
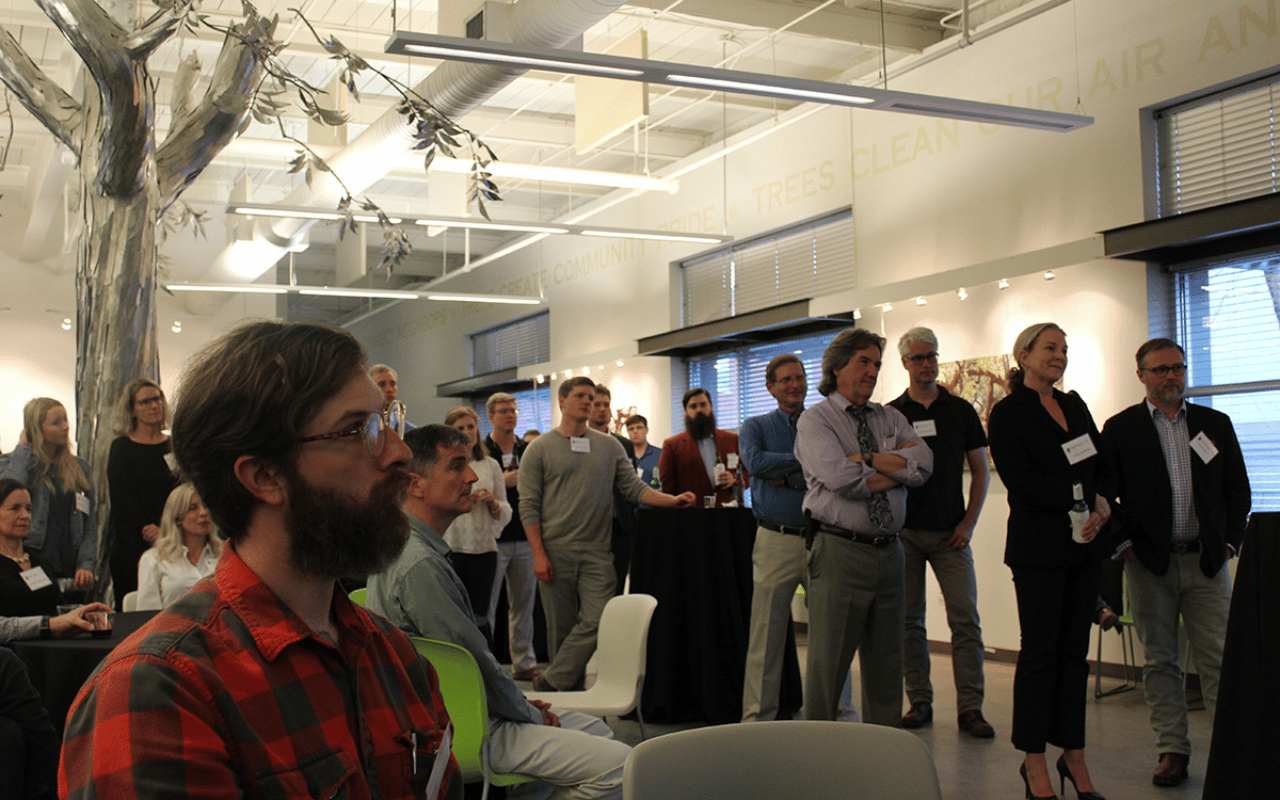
[(186, 550), (473, 537), (64, 522), (139, 479)]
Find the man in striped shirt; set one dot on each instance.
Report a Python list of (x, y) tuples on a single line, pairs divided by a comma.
[(264, 682)]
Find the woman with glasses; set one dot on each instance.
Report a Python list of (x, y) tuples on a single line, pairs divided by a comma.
[(64, 516), (186, 550), (473, 537), (1045, 446), (139, 480)]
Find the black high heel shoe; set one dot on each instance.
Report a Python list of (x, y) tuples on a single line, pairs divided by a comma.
[(1022, 770), (1064, 775)]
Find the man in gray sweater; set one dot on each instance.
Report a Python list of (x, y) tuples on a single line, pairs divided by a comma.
[(566, 506)]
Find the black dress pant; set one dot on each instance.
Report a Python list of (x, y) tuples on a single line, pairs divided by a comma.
[(27, 739), (1055, 612)]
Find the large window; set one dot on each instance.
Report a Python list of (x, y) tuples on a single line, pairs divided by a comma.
[(534, 406), (1229, 322), (512, 344), (1212, 150), (736, 379)]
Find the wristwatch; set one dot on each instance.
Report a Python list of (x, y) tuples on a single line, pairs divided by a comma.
[(866, 457), (46, 630)]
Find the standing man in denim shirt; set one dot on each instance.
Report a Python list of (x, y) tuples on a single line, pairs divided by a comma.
[(778, 558)]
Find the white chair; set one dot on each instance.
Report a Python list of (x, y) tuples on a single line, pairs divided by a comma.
[(621, 649), (130, 602), (770, 760)]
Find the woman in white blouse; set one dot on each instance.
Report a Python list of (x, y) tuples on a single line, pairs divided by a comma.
[(473, 537), (186, 550)]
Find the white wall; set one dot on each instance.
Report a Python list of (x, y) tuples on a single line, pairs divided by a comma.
[(928, 196)]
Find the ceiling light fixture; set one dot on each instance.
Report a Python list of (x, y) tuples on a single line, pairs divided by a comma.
[(961, 293), (1048, 275), (480, 223), (920, 301), (1003, 284), (886, 308), (353, 291), (66, 323), (484, 51)]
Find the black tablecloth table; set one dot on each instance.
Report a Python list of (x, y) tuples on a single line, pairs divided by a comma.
[(697, 563), (59, 667), (1245, 735)]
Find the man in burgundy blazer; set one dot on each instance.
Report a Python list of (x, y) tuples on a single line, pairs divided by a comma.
[(682, 463)]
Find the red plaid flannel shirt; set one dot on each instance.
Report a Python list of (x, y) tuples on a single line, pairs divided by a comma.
[(227, 693)]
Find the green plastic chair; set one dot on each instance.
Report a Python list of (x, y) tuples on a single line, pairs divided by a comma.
[(360, 597), (462, 687)]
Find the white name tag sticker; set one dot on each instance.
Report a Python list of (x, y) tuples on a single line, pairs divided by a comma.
[(507, 460), (1203, 447), (36, 579), (579, 444), (82, 502), (171, 462), (1079, 448), (926, 427), (732, 458)]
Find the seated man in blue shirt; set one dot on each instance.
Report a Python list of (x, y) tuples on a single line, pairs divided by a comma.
[(423, 596)]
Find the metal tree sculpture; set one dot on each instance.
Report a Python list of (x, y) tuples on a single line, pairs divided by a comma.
[(128, 183)]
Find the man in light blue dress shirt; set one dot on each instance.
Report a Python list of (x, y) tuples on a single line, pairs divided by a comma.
[(858, 458)]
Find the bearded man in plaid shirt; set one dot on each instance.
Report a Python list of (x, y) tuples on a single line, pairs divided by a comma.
[(263, 681)]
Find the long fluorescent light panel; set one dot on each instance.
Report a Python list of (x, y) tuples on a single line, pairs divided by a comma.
[(354, 291), (480, 223), (481, 51)]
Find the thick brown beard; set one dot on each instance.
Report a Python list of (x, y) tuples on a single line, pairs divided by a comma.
[(700, 427), (333, 535)]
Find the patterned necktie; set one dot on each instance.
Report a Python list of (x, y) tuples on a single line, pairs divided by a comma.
[(878, 504)]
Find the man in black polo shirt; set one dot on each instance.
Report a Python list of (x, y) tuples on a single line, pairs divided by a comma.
[(937, 530)]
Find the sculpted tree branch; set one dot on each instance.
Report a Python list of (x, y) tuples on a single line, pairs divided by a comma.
[(47, 102), (201, 134)]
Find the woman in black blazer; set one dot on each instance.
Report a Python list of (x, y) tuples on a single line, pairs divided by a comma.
[(1043, 442)]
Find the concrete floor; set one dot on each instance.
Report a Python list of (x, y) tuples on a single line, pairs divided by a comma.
[(1120, 753)]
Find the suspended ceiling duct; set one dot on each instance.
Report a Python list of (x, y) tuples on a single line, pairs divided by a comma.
[(453, 87)]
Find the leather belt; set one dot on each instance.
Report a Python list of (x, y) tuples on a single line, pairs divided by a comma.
[(860, 538), (781, 529), (1182, 548)]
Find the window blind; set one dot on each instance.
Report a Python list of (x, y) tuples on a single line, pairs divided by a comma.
[(513, 344), (802, 261), (1218, 149), (1228, 317), (736, 379), (533, 404)]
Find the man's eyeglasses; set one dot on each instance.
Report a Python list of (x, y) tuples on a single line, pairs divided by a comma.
[(373, 431), (931, 358), (1163, 370)]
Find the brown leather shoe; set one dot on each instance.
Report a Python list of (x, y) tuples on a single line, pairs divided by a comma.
[(529, 674), (540, 684), (921, 714), (972, 723), (1171, 771)]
